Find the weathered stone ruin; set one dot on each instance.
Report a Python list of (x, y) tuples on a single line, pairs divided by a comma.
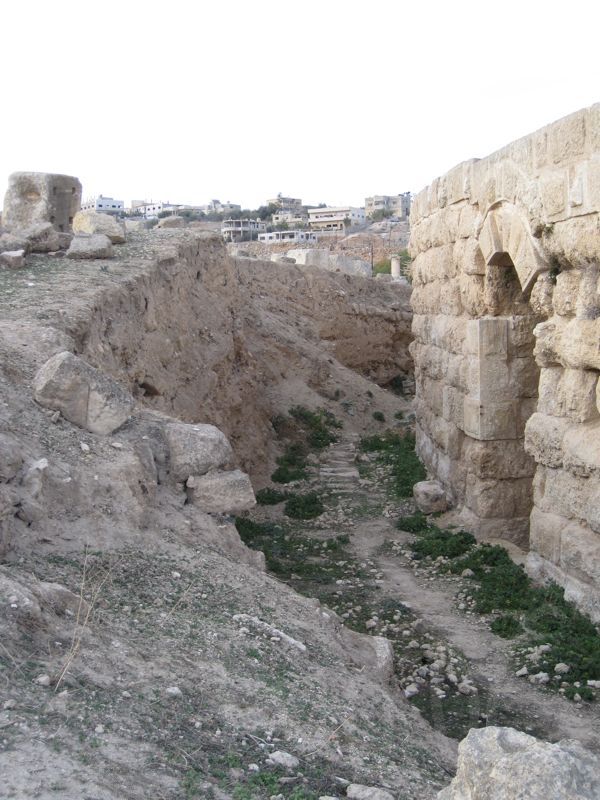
[(34, 197), (506, 346)]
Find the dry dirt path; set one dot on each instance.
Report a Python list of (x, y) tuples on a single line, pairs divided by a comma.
[(503, 698)]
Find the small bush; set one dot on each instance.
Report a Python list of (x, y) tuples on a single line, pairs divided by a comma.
[(285, 474), (304, 506), (291, 466), (506, 626), (399, 415), (270, 497), (437, 542), (379, 416), (417, 523)]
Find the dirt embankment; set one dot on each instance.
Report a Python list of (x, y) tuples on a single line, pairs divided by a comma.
[(235, 342), (144, 652)]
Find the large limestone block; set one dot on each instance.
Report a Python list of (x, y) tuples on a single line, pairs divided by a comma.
[(505, 764), (41, 237), (220, 492), (544, 438), (95, 222), (12, 259), (196, 449), (83, 395), (96, 245), (34, 197), (499, 460), (580, 344), (430, 497), (568, 393)]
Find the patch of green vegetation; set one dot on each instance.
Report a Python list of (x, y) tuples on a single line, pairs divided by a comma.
[(399, 415), (506, 626), (310, 565), (378, 416), (291, 466), (539, 611), (416, 523), (317, 424), (437, 542), (397, 452), (270, 497), (304, 506)]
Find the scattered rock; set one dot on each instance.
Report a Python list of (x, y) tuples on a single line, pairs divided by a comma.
[(540, 678), (97, 245), (43, 680), (504, 764), (282, 759), (13, 259), (358, 792), (467, 573), (430, 497), (173, 691), (561, 669), (220, 492), (411, 690), (83, 395), (91, 222), (520, 673)]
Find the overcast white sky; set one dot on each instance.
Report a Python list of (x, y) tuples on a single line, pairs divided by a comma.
[(327, 100)]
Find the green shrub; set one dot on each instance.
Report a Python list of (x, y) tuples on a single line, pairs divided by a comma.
[(436, 542), (379, 416), (304, 506), (270, 497), (291, 466), (417, 523), (506, 626), (399, 415)]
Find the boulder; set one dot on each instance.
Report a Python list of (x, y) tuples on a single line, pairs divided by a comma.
[(171, 222), (96, 245), (13, 259), (356, 791), (220, 492), (430, 496), (10, 242), (41, 237), (83, 395), (95, 222), (196, 449), (505, 764)]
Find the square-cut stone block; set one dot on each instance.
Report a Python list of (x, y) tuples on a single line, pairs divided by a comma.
[(490, 421)]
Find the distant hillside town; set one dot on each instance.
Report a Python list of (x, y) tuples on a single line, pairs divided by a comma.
[(280, 220)]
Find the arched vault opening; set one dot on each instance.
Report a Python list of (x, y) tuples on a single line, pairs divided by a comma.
[(503, 378)]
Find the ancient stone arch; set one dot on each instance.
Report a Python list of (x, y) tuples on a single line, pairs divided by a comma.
[(506, 301)]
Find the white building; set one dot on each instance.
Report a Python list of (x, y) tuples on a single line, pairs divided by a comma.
[(107, 205), (151, 210), (398, 204), (242, 230), (335, 219), (287, 236)]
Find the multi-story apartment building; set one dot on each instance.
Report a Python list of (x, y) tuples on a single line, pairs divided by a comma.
[(240, 230), (335, 219), (397, 204)]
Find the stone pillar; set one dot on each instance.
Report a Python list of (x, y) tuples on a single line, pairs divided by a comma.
[(395, 266)]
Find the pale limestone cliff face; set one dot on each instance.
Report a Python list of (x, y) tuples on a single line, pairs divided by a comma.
[(507, 345)]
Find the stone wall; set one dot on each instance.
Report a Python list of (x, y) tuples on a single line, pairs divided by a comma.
[(506, 328)]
